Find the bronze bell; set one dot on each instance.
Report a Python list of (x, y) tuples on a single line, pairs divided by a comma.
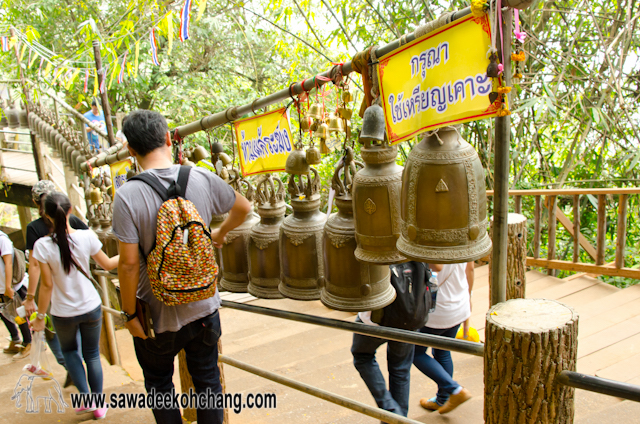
[(313, 155), (335, 124), (314, 126), (234, 253), (264, 246), (305, 124), (345, 113), (187, 162), (376, 195), (22, 117), (316, 111), (444, 206), (131, 172), (347, 96), (350, 285), (3, 120), (301, 267), (296, 163), (322, 132), (12, 116), (216, 147), (96, 196), (226, 160)]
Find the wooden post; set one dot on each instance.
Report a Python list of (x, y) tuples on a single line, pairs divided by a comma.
[(516, 256), (186, 383), (602, 228), (536, 228), (551, 245), (71, 180), (621, 240), (517, 204), (528, 342), (501, 176), (576, 228), (106, 109), (108, 329)]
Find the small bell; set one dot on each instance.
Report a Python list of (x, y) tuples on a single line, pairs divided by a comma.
[(313, 126), (313, 155), (324, 149), (187, 162), (296, 163), (335, 124), (217, 147), (316, 111), (226, 160), (344, 113), (347, 96), (373, 124), (305, 124), (199, 154), (492, 69), (224, 174), (96, 196), (322, 132), (131, 173)]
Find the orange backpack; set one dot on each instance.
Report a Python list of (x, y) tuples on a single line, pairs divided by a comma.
[(181, 265)]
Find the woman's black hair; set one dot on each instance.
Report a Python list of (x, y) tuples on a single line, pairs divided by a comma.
[(57, 206)]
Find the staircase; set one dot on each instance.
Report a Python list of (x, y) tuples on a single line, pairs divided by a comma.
[(609, 346)]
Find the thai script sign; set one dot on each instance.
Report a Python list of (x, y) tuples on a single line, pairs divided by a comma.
[(119, 173), (264, 142), (437, 80)]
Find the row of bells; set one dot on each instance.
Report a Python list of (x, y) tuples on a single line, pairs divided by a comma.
[(433, 211), (13, 117)]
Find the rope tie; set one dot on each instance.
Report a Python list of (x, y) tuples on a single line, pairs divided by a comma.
[(434, 132), (375, 88)]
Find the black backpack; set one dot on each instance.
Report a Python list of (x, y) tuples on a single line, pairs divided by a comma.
[(415, 297)]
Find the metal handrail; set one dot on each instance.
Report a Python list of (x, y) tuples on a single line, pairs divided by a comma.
[(387, 333), (599, 385), (571, 191)]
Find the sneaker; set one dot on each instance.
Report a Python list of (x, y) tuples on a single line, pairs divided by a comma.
[(455, 401), (430, 404), (68, 382), (14, 347), (99, 414), (85, 410), (24, 353)]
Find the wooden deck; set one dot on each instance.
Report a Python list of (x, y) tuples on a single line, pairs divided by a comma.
[(20, 167)]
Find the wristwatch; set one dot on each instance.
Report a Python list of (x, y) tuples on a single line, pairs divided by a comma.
[(41, 315), (30, 297), (129, 317)]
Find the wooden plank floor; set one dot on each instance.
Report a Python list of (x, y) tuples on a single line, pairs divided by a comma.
[(20, 167)]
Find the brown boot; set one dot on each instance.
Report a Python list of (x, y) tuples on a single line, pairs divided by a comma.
[(429, 404), (24, 353), (14, 347), (455, 401)]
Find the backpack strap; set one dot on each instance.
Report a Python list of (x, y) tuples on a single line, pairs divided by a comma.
[(153, 182), (179, 189)]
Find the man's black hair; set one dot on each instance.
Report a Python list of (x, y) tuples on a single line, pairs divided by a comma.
[(145, 131), (94, 102)]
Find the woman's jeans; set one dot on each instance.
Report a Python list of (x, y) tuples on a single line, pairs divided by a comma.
[(13, 328), (89, 326), (440, 367)]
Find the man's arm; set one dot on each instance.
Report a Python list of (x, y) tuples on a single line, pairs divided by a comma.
[(237, 214), (436, 267), (8, 275), (34, 278), (129, 276)]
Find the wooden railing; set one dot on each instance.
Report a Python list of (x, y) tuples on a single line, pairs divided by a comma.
[(616, 268)]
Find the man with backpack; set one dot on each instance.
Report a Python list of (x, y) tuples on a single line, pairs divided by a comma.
[(409, 311), (161, 220)]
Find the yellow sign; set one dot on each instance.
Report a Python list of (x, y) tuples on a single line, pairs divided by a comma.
[(264, 142), (437, 80), (119, 173)]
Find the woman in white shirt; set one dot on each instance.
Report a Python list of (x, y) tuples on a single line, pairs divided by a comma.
[(64, 259), (453, 307)]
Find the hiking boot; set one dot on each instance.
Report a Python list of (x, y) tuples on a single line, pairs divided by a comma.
[(430, 404), (455, 401), (24, 353), (14, 347)]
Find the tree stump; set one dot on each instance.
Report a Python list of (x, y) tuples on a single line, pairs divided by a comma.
[(516, 256), (528, 343)]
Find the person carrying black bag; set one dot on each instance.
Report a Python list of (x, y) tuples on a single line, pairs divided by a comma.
[(409, 311)]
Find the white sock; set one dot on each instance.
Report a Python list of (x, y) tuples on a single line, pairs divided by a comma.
[(456, 391)]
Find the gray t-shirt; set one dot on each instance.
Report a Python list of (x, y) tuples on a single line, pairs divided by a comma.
[(135, 210)]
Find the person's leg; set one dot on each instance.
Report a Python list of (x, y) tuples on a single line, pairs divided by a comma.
[(156, 358), (24, 328), (54, 345), (399, 360), (13, 329), (363, 350), (435, 371), (444, 356), (202, 362), (66, 329), (90, 336)]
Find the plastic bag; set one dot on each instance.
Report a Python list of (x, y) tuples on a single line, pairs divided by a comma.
[(9, 308), (40, 364)]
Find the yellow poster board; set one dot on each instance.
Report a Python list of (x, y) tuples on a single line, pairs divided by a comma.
[(264, 142), (119, 173), (437, 80)]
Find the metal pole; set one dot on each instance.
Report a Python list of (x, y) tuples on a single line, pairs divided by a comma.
[(501, 175), (387, 333), (379, 414), (105, 99), (600, 385), (35, 146)]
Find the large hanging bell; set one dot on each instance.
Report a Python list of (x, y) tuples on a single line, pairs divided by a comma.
[(96, 196), (301, 264), (444, 206), (373, 124), (234, 253), (12, 116), (350, 285), (296, 163), (216, 147), (335, 124), (376, 195), (316, 111), (22, 117), (264, 246), (322, 132)]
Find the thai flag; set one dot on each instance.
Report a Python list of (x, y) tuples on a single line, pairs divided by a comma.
[(104, 78), (5, 44), (121, 74), (154, 47), (185, 19), (86, 80)]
